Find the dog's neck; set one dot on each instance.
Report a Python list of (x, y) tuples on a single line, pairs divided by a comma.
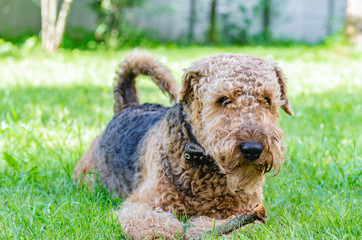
[(194, 152)]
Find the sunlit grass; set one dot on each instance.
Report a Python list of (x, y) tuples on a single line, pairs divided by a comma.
[(52, 106)]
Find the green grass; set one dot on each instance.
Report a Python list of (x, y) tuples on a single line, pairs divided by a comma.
[(52, 107)]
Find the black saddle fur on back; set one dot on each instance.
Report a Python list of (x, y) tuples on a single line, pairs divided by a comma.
[(123, 137)]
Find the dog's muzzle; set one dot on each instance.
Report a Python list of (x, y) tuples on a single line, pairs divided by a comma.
[(251, 150)]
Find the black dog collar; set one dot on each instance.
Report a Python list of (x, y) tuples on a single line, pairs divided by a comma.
[(194, 153)]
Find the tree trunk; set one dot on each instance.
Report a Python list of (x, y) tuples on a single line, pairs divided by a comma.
[(266, 17), (61, 22), (53, 26), (192, 20), (52, 18), (44, 22), (354, 22), (212, 30)]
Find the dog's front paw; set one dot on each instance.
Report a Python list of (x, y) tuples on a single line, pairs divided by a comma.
[(140, 221)]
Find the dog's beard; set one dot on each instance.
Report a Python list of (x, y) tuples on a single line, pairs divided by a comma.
[(248, 177), (241, 174)]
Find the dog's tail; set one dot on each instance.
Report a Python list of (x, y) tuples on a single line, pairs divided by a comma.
[(140, 63)]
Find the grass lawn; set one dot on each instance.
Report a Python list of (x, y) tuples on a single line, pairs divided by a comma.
[(52, 107)]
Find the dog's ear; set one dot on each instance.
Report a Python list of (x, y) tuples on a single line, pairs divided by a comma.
[(283, 87), (190, 77)]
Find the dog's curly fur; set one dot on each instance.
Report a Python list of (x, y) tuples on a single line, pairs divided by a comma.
[(228, 100)]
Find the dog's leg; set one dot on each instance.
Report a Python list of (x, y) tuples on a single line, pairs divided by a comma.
[(140, 221), (86, 163)]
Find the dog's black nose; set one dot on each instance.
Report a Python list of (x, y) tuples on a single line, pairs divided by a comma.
[(251, 150)]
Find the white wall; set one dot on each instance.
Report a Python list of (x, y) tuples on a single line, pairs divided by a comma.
[(307, 20), (299, 20)]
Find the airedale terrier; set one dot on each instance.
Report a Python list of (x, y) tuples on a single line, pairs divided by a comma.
[(206, 156)]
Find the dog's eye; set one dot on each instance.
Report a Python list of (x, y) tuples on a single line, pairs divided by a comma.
[(267, 100), (224, 101)]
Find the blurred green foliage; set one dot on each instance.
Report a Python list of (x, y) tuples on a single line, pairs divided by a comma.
[(19, 47), (113, 27), (83, 40)]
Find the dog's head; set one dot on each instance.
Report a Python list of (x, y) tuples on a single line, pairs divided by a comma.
[(232, 102)]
